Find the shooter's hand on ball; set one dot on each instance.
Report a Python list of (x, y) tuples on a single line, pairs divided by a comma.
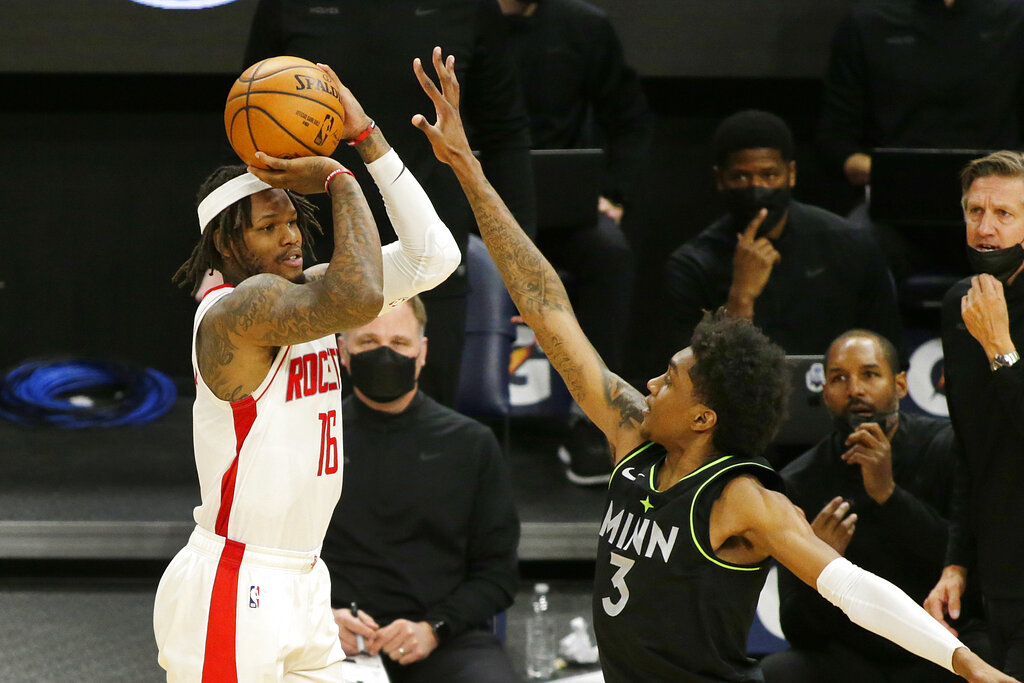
[(305, 175), (446, 136), (356, 119)]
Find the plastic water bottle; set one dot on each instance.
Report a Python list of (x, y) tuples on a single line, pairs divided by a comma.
[(540, 636)]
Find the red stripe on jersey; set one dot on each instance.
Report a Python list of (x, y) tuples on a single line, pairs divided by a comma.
[(284, 356), (244, 414), (219, 657), (214, 289)]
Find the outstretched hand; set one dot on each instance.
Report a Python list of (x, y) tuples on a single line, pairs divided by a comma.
[(447, 136)]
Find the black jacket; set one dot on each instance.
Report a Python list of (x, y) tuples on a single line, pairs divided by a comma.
[(426, 528), (574, 76), (914, 73), (832, 277), (987, 410), (903, 540)]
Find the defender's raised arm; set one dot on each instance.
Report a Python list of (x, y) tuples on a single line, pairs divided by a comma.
[(613, 405)]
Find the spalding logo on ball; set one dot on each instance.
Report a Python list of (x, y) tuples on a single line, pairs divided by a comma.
[(286, 107)]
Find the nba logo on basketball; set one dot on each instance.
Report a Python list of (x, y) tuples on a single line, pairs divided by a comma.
[(254, 596)]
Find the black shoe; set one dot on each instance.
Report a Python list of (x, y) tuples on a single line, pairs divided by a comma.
[(587, 454)]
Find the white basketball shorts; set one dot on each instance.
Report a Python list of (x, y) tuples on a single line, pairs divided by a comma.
[(229, 612)]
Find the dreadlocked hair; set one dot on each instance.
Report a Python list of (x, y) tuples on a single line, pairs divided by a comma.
[(743, 377), (232, 222)]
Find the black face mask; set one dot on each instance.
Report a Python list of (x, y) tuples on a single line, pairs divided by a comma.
[(999, 263), (745, 202), (382, 374), (846, 423)]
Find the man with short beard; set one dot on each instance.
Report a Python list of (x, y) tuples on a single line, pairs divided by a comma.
[(800, 273), (982, 328), (878, 490)]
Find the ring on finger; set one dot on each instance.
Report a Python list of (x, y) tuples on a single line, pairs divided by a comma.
[(401, 652)]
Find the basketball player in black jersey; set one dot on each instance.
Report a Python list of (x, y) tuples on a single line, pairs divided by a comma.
[(693, 516)]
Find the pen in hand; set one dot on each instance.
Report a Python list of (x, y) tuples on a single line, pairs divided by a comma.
[(360, 643)]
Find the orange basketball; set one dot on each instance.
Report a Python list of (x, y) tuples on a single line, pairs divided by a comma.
[(286, 107)]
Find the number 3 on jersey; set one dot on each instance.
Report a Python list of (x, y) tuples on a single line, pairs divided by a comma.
[(328, 444), (623, 565)]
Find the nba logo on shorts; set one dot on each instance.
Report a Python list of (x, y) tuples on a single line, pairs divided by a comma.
[(254, 596)]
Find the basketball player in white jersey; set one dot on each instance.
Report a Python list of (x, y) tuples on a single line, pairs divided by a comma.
[(248, 599)]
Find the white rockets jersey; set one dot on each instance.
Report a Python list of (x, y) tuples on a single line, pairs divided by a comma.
[(270, 464)]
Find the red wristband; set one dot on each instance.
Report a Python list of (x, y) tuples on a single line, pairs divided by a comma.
[(330, 177), (362, 136)]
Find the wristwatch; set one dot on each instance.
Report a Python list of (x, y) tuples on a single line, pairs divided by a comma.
[(442, 631), (1005, 360)]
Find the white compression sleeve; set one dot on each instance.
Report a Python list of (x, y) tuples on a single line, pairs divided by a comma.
[(425, 253), (877, 605)]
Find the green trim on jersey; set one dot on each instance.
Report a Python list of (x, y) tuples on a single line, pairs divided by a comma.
[(693, 530), (629, 456), (696, 471)]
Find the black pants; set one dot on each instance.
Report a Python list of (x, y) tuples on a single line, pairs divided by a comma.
[(1006, 629), (472, 657), (600, 264)]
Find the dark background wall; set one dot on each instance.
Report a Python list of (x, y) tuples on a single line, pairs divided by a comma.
[(111, 117)]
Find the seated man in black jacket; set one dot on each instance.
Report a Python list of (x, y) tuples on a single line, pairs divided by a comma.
[(802, 274), (424, 539), (878, 490)]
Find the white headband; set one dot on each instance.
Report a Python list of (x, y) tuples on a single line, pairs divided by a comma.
[(226, 195)]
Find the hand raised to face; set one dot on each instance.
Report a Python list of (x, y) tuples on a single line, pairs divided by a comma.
[(870, 449), (984, 311)]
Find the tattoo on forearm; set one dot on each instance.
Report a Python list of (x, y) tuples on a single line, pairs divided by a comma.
[(544, 304), (373, 147), (567, 364), (269, 312), (532, 282)]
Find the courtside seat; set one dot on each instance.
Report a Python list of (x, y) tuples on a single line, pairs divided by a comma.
[(484, 377), (766, 635)]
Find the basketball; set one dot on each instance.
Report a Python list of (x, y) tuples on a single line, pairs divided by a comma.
[(286, 107)]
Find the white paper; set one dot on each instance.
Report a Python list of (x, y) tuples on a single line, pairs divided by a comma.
[(364, 669)]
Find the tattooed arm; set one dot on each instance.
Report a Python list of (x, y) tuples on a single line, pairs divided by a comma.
[(614, 406), (241, 333), (371, 149), (271, 311)]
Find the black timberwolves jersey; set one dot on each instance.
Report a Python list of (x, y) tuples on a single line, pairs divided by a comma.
[(665, 607)]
